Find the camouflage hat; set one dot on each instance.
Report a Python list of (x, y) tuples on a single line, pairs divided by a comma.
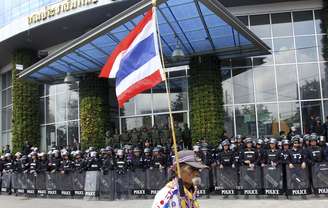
[(188, 157)]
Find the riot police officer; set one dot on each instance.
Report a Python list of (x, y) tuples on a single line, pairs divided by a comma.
[(66, 165), (17, 163), (34, 164), (226, 158), (43, 162), (8, 165), (137, 160), (158, 160), (79, 163), (147, 159), (93, 163), (249, 155), (260, 151), (206, 156), (272, 156), (121, 164), (107, 161), (54, 162), (315, 152), (296, 154)]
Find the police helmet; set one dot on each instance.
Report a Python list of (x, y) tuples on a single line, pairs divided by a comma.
[(64, 153), (156, 149), (93, 154), (306, 137), (18, 154), (313, 137), (259, 141), (196, 148), (273, 141), (147, 150), (248, 140), (136, 149), (120, 152), (285, 142), (225, 142)]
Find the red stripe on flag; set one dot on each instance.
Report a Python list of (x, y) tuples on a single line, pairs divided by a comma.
[(140, 86), (124, 44)]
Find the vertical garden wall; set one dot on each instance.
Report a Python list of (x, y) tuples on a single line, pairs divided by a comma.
[(205, 95), (26, 113), (94, 110)]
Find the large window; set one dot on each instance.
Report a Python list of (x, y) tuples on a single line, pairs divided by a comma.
[(151, 107), (59, 105), (267, 94), (6, 108)]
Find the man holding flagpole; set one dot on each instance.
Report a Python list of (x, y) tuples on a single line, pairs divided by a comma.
[(137, 64)]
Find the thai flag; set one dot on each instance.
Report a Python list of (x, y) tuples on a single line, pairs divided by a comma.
[(136, 62)]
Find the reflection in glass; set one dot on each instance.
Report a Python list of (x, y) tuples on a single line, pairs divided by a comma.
[(178, 94), (260, 25), (311, 111), (73, 132), (265, 86), (226, 86), (61, 130), (325, 105), (245, 120), (51, 136), (228, 120), (162, 121), (321, 42), (42, 111), (159, 98), (50, 109), (306, 49), (324, 79), (284, 50), (43, 142), (143, 103), (136, 122), (267, 115), (287, 82), (60, 107), (303, 23), (281, 24), (243, 85), (318, 21), (4, 119), (289, 116), (129, 108), (309, 81), (73, 105)]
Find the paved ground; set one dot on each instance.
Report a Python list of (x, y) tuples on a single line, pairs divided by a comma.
[(21, 202)]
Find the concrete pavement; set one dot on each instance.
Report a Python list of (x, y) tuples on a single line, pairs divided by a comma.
[(23, 202)]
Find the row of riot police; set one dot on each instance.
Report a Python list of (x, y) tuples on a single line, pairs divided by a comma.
[(107, 159)]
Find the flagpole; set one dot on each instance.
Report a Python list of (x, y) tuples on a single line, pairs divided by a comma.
[(175, 147)]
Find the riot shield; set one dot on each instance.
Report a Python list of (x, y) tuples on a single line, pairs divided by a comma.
[(18, 183), (65, 184), (78, 184), (320, 178), (250, 180), (204, 187), (138, 183), (51, 184), (297, 181), (91, 185), (122, 185), (106, 186), (226, 180), (41, 184), (156, 179), (272, 180), (6, 183), (30, 184)]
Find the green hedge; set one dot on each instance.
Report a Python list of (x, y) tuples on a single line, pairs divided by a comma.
[(94, 110), (205, 95), (26, 111)]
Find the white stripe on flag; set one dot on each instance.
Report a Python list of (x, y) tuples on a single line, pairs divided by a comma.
[(144, 71)]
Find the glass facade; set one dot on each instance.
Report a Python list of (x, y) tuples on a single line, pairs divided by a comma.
[(12, 9), (268, 94), (151, 107), (59, 108), (6, 108)]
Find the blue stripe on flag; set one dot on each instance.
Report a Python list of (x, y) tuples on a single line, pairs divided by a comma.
[(137, 57)]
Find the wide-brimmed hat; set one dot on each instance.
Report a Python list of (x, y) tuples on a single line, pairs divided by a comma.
[(188, 157)]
